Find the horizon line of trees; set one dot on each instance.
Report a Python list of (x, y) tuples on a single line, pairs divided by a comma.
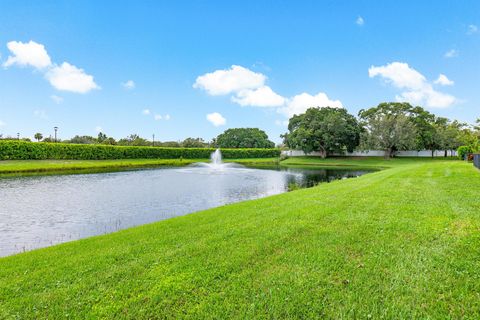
[(390, 126), (230, 138)]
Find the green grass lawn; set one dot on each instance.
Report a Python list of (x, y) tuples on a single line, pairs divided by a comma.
[(364, 162), (26, 166), (399, 243)]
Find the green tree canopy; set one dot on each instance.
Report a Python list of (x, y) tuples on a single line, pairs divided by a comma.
[(327, 130), (194, 143), (38, 136), (134, 140), (243, 138), (391, 127), (82, 140)]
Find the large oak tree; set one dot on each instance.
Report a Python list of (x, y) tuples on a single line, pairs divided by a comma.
[(326, 130)]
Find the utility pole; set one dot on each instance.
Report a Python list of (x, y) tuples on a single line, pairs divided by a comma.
[(153, 140), (18, 135), (56, 129)]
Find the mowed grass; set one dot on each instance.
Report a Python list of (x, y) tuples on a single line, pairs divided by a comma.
[(26, 166), (398, 243), (363, 162)]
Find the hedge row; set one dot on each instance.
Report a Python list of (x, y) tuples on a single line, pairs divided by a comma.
[(21, 150)]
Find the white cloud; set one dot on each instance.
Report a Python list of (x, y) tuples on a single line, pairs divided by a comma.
[(27, 54), (417, 89), (98, 129), (451, 53), (248, 88), (129, 85), (40, 114), (360, 21), (167, 117), (428, 97), (444, 81), (2, 124), (233, 80), (472, 29), (146, 112), (261, 97), (64, 77), (216, 119), (301, 102), (399, 74), (56, 99), (67, 77)]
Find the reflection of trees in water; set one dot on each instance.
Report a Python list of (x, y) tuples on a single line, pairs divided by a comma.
[(309, 178)]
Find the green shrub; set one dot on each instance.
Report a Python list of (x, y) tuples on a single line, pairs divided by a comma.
[(464, 151), (20, 150)]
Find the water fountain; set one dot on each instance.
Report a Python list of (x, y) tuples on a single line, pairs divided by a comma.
[(216, 158), (216, 163)]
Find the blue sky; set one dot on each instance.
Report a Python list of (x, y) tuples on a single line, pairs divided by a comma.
[(195, 68)]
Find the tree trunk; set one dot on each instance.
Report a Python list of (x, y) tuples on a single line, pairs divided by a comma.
[(446, 154), (388, 153), (323, 153), (432, 152)]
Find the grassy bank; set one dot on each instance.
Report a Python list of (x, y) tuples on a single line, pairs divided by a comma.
[(364, 162), (52, 166), (36, 166), (398, 243)]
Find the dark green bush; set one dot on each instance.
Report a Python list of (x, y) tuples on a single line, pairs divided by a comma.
[(464, 151), (20, 150)]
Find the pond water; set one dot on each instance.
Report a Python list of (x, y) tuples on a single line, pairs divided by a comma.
[(40, 211)]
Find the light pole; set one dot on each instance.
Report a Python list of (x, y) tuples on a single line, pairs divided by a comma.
[(153, 140), (18, 135), (56, 129)]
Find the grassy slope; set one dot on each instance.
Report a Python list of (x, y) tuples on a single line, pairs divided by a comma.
[(22, 166), (364, 162), (399, 243)]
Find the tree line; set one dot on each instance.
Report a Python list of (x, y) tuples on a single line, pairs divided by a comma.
[(230, 138), (390, 126)]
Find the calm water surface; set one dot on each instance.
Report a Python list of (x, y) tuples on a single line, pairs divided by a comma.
[(39, 211)]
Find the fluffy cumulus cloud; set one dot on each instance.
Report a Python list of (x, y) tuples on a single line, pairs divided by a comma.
[(301, 102), (216, 119), (64, 77), (27, 54), (146, 112), (260, 97), (360, 21), (67, 77), (129, 85), (444, 81), (233, 80), (248, 88), (415, 87)]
